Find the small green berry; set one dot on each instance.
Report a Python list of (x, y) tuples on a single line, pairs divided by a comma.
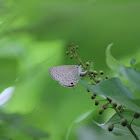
[(95, 72), (93, 97), (123, 122), (114, 104), (91, 71), (110, 127), (71, 57), (73, 49), (101, 72), (105, 105), (136, 115), (107, 77), (99, 80), (87, 63), (76, 47), (96, 102), (89, 83), (94, 94), (67, 52), (119, 107), (101, 110), (88, 90)]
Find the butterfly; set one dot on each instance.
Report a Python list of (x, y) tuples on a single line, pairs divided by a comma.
[(67, 75)]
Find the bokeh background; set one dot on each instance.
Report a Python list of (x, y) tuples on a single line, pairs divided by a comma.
[(33, 38)]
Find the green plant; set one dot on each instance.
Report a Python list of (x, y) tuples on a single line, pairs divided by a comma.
[(117, 96)]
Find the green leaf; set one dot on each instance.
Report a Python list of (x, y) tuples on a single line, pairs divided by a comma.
[(83, 116), (132, 76), (118, 128), (78, 120), (111, 61), (114, 89)]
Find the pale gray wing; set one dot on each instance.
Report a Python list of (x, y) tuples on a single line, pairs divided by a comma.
[(67, 75)]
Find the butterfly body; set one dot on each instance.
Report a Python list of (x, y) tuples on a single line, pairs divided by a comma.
[(67, 75)]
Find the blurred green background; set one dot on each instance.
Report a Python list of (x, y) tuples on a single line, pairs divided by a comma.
[(33, 38)]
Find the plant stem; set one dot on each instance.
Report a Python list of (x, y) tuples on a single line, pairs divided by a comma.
[(132, 120), (103, 100), (132, 131), (80, 61)]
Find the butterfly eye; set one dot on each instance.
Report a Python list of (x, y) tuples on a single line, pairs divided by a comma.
[(71, 83)]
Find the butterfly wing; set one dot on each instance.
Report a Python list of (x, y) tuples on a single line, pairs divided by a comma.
[(66, 75)]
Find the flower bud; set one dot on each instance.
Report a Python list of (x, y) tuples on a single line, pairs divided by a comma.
[(87, 63), (88, 90), (91, 71), (93, 97), (119, 107), (101, 110), (89, 83), (136, 115), (101, 72), (94, 94), (73, 49), (110, 127), (123, 122), (107, 77), (76, 47), (99, 80), (69, 45), (95, 72), (114, 104), (91, 78), (105, 105), (67, 52), (71, 57), (96, 102)]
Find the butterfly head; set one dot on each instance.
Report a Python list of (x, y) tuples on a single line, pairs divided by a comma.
[(79, 68)]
